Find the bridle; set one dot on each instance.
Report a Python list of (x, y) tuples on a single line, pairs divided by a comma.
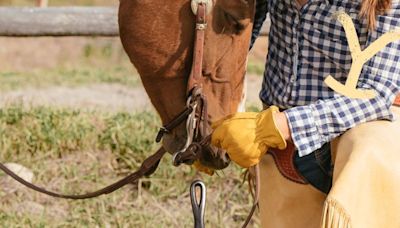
[(195, 114)]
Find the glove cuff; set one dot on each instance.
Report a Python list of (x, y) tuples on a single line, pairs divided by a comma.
[(267, 131)]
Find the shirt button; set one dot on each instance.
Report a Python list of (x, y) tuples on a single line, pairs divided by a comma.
[(292, 80)]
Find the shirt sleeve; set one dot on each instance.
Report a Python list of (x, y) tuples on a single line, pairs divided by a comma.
[(315, 124), (259, 18)]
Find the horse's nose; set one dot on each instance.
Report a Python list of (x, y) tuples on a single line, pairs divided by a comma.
[(214, 157)]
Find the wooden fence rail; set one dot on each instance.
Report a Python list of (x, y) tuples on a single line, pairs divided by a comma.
[(62, 21), (58, 21)]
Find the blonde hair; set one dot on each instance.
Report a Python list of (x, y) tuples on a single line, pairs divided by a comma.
[(370, 9)]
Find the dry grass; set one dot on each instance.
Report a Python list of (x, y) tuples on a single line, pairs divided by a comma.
[(68, 77)]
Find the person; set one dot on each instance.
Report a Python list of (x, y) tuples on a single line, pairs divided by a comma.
[(306, 44)]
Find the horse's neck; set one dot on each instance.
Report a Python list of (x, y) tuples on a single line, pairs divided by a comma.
[(301, 3)]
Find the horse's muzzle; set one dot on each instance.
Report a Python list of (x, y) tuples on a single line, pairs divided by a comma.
[(214, 157), (203, 151)]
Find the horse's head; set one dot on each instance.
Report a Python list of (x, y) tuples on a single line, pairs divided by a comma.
[(159, 39)]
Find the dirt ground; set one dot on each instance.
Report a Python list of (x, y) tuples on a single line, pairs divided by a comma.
[(106, 97)]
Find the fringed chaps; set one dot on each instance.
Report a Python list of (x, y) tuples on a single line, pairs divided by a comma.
[(366, 184)]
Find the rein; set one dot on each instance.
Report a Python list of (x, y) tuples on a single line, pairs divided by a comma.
[(196, 117), (146, 169)]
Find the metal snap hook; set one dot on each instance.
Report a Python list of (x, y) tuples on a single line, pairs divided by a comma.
[(198, 202)]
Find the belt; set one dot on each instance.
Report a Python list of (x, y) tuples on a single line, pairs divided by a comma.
[(397, 101)]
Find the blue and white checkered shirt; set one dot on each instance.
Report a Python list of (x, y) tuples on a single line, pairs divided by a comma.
[(307, 45)]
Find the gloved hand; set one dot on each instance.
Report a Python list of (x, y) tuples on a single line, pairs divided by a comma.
[(247, 136), (201, 168)]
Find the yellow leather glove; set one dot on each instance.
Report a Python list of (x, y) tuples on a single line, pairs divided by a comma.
[(201, 168), (247, 136)]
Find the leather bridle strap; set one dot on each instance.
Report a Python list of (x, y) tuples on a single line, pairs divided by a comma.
[(194, 84), (254, 182), (180, 118), (196, 74), (146, 169)]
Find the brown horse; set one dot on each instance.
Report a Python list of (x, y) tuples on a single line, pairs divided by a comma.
[(158, 36)]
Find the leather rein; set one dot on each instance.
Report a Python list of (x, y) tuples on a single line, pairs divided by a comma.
[(195, 114)]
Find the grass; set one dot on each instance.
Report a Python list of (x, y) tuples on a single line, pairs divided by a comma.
[(92, 63), (75, 151), (71, 77), (57, 132), (255, 67)]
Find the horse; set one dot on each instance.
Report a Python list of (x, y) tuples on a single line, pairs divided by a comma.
[(159, 39), (178, 52)]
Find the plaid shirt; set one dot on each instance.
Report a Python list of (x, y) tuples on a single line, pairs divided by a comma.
[(307, 45)]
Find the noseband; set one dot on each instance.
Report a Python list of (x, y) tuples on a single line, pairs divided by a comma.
[(195, 114)]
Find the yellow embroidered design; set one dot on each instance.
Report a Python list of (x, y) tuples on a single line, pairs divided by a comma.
[(359, 58)]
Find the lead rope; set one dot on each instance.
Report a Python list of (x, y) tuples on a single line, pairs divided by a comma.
[(147, 167), (254, 182)]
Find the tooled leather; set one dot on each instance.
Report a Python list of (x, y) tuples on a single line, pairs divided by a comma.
[(397, 101), (284, 162)]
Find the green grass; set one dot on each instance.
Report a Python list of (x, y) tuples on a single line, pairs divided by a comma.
[(68, 77), (75, 151), (255, 67), (58, 132)]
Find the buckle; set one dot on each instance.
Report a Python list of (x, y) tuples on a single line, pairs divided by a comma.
[(209, 5), (161, 134)]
